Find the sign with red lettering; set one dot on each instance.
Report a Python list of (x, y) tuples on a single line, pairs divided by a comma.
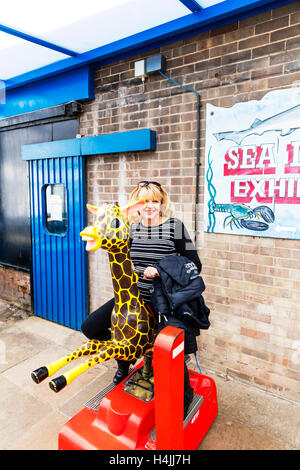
[(253, 167)]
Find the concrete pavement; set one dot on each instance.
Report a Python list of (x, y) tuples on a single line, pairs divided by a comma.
[(31, 415)]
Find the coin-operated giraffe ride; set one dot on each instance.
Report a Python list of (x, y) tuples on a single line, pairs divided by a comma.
[(132, 326)]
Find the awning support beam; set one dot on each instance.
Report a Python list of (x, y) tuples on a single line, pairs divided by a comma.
[(192, 5), (38, 41)]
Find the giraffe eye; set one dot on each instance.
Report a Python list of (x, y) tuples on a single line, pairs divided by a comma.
[(116, 223)]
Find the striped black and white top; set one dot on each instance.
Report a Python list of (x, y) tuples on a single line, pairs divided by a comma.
[(148, 245)]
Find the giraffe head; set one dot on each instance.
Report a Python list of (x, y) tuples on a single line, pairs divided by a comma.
[(111, 227)]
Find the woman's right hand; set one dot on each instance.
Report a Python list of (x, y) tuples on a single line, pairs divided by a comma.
[(150, 272)]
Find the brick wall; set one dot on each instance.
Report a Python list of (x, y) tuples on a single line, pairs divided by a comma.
[(15, 287), (253, 284)]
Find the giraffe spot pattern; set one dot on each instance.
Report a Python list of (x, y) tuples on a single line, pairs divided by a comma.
[(125, 282), (125, 296)]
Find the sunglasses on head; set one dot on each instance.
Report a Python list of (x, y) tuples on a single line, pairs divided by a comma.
[(146, 183)]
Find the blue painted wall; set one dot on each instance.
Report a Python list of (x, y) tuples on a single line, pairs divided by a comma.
[(74, 85), (130, 141)]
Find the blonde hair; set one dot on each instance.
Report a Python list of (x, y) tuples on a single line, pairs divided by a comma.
[(151, 192)]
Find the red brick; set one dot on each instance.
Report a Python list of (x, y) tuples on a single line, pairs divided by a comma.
[(272, 25), (255, 41), (255, 334), (268, 49), (285, 33)]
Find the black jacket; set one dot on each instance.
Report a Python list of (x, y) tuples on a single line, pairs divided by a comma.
[(177, 298)]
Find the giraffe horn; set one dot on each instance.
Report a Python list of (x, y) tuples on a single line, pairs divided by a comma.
[(92, 209), (133, 207)]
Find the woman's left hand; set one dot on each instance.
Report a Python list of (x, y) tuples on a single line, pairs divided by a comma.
[(150, 272)]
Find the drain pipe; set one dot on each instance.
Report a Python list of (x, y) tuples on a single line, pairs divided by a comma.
[(197, 151)]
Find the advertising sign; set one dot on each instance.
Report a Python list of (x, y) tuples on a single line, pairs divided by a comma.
[(252, 174)]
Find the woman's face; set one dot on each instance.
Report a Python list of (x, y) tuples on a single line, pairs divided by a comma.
[(150, 212)]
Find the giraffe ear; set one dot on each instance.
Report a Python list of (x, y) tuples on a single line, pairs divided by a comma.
[(134, 207), (92, 209)]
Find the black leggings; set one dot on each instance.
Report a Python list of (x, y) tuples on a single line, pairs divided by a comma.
[(97, 324)]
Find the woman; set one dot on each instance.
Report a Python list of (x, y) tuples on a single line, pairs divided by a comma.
[(154, 234)]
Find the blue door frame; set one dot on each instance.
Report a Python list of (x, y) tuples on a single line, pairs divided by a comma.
[(59, 259)]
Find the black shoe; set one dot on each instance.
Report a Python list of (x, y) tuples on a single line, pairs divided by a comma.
[(188, 398), (188, 392), (122, 372)]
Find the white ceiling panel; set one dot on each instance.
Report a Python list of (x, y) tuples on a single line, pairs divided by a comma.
[(6, 41), (209, 3), (114, 24), (23, 57), (80, 26), (36, 17), (76, 26)]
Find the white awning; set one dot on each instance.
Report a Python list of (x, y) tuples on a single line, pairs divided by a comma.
[(38, 39), (74, 27)]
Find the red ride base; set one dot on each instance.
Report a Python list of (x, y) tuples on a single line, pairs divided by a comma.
[(124, 422)]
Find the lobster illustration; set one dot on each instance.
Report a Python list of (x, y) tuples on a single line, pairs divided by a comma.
[(241, 216)]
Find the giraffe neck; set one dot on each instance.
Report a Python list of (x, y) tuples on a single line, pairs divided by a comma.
[(123, 277)]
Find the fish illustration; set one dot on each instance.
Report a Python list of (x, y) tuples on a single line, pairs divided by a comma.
[(286, 123)]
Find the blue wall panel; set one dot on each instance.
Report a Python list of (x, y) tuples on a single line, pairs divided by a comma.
[(68, 86), (131, 141)]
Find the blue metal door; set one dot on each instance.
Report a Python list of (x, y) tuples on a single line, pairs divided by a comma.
[(57, 190), (58, 214)]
